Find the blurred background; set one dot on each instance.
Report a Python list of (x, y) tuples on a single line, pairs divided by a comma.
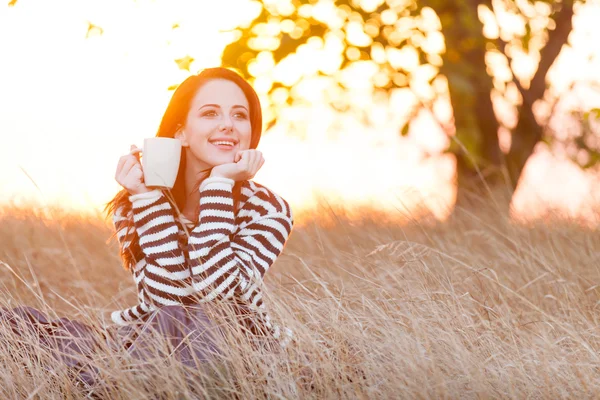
[(399, 105)]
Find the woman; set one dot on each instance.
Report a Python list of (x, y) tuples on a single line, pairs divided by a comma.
[(208, 241)]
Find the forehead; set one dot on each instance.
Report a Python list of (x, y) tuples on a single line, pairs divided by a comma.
[(221, 92)]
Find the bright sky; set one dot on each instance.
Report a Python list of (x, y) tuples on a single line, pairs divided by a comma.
[(71, 106)]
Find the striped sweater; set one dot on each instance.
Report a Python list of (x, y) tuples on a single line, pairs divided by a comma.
[(224, 256)]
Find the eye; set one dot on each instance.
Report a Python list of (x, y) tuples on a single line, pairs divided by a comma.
[(240, 115), (209, 113)]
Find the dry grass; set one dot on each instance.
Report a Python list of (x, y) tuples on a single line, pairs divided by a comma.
[(476, 307)]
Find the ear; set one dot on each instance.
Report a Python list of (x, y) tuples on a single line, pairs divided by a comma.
[(180, 134)]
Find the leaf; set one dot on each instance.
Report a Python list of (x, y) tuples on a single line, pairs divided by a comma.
[(526, 38), (93, 30), (404, 131), (549, 140), (184, 63), (593, 160)]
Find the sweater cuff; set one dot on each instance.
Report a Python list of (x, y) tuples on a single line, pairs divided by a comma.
[(151, 195), (216, 180), (115, 316)]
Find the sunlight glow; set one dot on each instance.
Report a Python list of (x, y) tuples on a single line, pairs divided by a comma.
[(72, 105)]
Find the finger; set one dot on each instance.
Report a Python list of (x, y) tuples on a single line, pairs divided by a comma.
[(121, 162), (253, 161), (132, 173), (135, 151), (123, 167), (256, 161), (260, 163), (137, 172), (259, 160), (251, 156), (238, 156), (244, 157), (130, 163)]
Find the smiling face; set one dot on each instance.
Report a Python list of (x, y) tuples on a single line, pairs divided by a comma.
[(217, 125)]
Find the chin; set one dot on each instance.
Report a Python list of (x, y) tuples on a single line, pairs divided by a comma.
[(220, 161), (211, 162)]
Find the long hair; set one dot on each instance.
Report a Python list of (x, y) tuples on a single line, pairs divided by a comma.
[(174, 118)]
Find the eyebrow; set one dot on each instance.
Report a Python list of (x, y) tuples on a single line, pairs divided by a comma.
[(218, 106)]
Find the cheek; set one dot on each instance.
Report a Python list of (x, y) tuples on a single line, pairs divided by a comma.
[(245, 132), (199, 131), (203, 127)]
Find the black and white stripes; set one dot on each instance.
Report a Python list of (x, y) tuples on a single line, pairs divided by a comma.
[(225, 256)]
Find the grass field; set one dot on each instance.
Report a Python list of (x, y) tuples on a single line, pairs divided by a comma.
[(475, 307)]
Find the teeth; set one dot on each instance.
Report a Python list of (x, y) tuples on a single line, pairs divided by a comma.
[(226, 143)]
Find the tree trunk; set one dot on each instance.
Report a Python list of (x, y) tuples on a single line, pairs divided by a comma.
[(528, 131), (477, 149)]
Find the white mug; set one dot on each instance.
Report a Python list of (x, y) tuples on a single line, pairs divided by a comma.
[(160, 161)]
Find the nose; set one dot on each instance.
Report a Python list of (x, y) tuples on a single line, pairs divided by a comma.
[(226, 124)]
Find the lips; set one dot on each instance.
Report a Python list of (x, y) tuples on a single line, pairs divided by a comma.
[(224, 144), (223, 147)]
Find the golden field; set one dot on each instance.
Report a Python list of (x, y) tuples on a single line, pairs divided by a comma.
[(478, 306)]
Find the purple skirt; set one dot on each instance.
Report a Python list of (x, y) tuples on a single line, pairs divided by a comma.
[(189, 334)]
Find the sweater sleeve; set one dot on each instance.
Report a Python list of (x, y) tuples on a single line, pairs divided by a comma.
[(156, 228), (123, 317), (166, 269), (133, 255), (225, 264)]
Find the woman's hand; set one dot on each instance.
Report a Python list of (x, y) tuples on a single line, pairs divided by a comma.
[(129, 172), (245, 165)]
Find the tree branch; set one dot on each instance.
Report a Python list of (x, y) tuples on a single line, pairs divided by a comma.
[(556, 39), (527, 100)]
